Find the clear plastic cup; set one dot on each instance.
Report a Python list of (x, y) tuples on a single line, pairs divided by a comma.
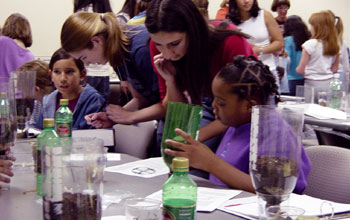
[(284, 212), (142, 209)]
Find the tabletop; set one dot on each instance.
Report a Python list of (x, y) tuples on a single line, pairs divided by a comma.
[(21, 201)]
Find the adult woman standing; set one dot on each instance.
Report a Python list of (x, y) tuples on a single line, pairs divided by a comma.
[(266, 38), (281, 7), (296, 33), (187, 55), (16, 38), (99, 38)]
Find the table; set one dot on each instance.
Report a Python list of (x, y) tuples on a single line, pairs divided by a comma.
[(340, 125), (20, 203)]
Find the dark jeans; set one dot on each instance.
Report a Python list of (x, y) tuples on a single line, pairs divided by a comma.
[(101, 84), (293, 84)]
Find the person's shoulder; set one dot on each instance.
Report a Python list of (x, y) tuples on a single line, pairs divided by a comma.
[(6, 41), (90, 92)]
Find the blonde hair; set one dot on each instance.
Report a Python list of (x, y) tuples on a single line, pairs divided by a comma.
[(324, 30), (42, 76), (80, 27)]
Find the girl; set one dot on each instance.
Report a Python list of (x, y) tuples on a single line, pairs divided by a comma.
[(99, 38), (67, 74), (187, 54), (266, 36), (296, 34), (237, 87), (43, 85), (16, 38), (320, 55)]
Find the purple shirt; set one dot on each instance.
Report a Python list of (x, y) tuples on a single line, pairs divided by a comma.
[(12, 56), (234, 149)]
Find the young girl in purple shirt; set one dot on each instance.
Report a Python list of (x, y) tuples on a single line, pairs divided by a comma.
[(236, 88)]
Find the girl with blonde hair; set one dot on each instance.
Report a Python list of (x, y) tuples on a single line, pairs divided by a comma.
[(320, 55)]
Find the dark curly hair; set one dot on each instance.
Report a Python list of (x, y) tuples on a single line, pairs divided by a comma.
[(250, 79), (234, 15)]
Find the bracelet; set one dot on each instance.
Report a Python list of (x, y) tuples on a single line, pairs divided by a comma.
[(261, 50)]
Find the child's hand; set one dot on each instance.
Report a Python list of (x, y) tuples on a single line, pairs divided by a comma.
[(98, 120), (5, 168), (199, 155)]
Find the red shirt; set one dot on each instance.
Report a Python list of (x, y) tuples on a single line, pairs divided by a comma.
[(230, 47)]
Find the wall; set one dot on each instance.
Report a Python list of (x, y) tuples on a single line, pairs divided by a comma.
[(47, 16)]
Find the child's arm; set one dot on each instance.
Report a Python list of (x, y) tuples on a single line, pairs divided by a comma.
[(201, 157), (305, 57), (211, 130)]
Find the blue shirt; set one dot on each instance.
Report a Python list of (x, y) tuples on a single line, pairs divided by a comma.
[(294, 56)]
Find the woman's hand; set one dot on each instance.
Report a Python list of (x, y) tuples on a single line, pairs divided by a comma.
[(98, 120), (199, 155), (165, 68), (119, 115)]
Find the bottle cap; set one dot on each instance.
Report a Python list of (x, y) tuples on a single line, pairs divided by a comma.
[(48, 122), (180, 164), (336, 75), (63, 101), (3, 95)]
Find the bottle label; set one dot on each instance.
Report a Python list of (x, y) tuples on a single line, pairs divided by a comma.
[(178, 212), (64, 129)]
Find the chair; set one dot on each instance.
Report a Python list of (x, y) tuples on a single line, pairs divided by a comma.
[(135, 140), (329, 177), (331, 137)]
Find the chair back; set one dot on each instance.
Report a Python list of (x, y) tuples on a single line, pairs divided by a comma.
[(333, 138), (135, 140), (329, 177)]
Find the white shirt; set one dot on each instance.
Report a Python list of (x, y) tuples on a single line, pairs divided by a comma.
[(319, 65)]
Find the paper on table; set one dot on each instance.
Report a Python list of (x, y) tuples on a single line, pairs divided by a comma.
[(142, 168), (113, 157), (318, 111), (115, 217), (248, 207), (208, 199)]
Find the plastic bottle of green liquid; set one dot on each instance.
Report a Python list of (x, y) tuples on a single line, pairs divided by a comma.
[(336, 93), (47, 134), (179, 193), (52, 153), (64, 119)]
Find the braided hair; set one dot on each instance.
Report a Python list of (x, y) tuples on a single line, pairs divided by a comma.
[(250, 79)]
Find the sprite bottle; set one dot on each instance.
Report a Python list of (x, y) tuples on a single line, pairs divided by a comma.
[(64, 119), (179, 193), (47, 134)]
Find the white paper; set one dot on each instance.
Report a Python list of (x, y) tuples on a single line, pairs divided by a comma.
[(107, 135), (208, 199), (248, 207), (115, 217), (113, 157), (142, 168)]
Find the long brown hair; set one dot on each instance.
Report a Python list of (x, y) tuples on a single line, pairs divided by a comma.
[(80, 27), (324, 30), (17, 27)]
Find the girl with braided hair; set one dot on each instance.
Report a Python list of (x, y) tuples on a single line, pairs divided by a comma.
[(236, 88)]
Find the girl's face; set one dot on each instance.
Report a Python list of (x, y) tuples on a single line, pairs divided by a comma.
[(244, 5), (282, 11), (173, 45), (94, 55), (67, 77), (228, 108)]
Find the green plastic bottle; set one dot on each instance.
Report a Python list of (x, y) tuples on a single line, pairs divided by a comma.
[(52, 152), (64, 119), (5, 125), (179, 193), (47, 134)]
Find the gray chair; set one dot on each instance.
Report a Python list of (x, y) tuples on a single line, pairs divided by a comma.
[(329, 177), (135, 140), (331, 137)]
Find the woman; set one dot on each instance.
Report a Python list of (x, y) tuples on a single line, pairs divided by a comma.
[(296, 33), (266, 38), (99, 38), (16, 38), (281, 7), (187, 55)]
